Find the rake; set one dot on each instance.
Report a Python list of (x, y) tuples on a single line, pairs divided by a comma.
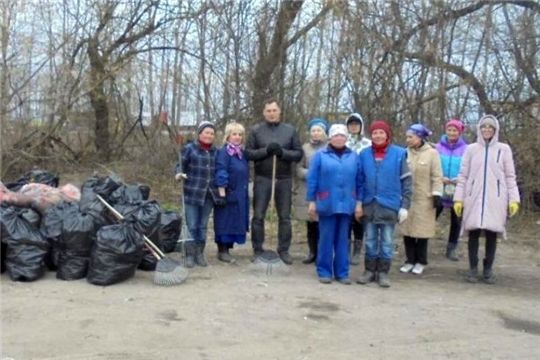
[(168, 271), (185, 234), (269, 262)]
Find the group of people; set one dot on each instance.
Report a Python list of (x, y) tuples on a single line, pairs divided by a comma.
[(349, 184)]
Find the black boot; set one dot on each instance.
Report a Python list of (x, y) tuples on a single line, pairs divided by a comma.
[(189, 253), (488, 276), (384, 268), (369, 273), (356, 251), (223, 253), (199, 255)]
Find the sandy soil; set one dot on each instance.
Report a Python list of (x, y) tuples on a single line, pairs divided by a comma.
[(228, 312)]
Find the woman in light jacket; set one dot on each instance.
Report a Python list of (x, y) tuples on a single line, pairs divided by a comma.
[(486, 194), (318, 139), (426, 172), (332, 182), (451, 149)]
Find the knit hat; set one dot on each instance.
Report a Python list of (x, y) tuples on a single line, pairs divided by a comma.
[(338, 129), (420, 130), (203, 125), (318, 122), (455, 123), (355, 117), (489, 120), (381, 125)]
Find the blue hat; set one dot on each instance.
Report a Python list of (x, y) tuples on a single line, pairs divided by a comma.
[(318, 122), (420, 130)]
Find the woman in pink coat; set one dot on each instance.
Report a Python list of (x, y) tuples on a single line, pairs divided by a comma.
[(486, 194)]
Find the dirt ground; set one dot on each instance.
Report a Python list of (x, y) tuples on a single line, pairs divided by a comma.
[(229, 312)]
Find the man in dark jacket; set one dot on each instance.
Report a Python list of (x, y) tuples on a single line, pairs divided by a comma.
[(266, 139)]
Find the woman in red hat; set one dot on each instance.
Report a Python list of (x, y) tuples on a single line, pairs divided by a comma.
[(385, 189)]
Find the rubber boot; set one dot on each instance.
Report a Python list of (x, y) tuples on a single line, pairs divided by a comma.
[(452, 254), (223, 253), (369, 272), (312, 240), (199, 255), (472, 276), (356, 251), (384, 268), (488, 276), (189, 260)]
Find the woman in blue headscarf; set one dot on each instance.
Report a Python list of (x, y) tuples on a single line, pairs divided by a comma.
[(427, 176)]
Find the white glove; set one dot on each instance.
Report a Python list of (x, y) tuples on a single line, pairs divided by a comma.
[(402, 215), (180, 176)]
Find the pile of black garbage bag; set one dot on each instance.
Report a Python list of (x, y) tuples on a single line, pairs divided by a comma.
[(83, 239)]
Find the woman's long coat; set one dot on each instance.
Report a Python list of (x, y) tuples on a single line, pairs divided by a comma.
[(487, 184), (232, 173), (300, 203), (426, 171)]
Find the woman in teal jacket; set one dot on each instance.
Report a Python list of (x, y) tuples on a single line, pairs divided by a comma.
[(332, 183)]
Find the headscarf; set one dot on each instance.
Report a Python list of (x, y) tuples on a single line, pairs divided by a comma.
[(420, 130)]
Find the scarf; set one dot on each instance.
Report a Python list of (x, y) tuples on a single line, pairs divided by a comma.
[(379, 151), (234, 150)]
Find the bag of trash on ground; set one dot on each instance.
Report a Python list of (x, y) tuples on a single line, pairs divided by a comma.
[(26, 246), (116, 254)]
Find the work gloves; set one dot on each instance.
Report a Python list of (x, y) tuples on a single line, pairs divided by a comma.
[(274, 149), (513, 208), (402, 215), (458, 208), (180, 176)]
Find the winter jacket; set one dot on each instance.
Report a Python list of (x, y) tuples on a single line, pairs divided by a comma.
[(451, 155), (426, 171), (265, 133), (385, 185), (332, 182), (199, 165), (300, 203), (487, 184), (232, 173), (359, 142)]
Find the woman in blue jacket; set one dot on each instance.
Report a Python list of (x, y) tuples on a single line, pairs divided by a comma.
[(231, 219), (451, 149), (332, 196)]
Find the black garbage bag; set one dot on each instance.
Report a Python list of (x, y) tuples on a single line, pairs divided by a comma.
[(51, 228), (3, 252), (79, 232), (32, 216), (126, 194), (42, 177), (26, 246), (146, 216), (145, 191), (103, 186), (170, 229), (92, 205), (115, 255), (89, 185)]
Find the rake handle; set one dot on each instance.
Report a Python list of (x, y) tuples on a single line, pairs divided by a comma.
[(149, 244)]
